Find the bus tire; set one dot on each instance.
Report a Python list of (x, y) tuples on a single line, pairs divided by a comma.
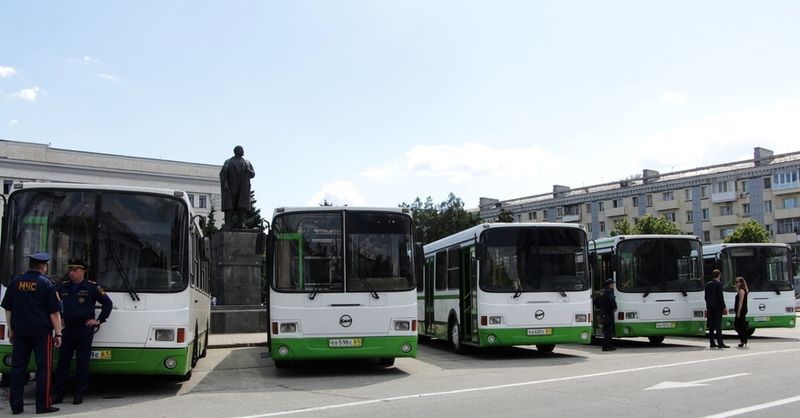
[(545, 348), (454, 335), (656, 339), (195, 348), (183, 378), (205, 344), (386, 361)]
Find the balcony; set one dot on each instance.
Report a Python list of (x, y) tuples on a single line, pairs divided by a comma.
[(614, 212), (666, 205), (789, 238), (787, 213), (723, 197), (725, 220), (571, 218)]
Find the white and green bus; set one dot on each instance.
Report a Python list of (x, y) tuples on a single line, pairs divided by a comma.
[(341, 284), (142, 245), (767, 268), (504, 284), (659, 284)]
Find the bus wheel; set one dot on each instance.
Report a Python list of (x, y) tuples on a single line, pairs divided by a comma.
[(386, 361), (183, 378), (455, 337), (205, 344), (195, 348), (656, 340), (545, 348)]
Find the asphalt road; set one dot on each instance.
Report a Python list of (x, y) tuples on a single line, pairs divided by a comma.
[(681, 377)]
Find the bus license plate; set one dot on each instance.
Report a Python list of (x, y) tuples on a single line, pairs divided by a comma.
[(761, 319), (665, 325), (345, 342), (540, 331), (100, 355)]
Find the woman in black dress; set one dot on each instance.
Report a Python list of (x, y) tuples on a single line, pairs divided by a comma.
[(740, 308)]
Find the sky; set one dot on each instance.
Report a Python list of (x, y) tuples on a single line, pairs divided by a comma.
[(376, 103)]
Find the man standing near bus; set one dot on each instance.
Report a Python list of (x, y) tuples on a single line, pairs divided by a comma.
[(32, 310), (608, 304), (79, 296), (715, 308)]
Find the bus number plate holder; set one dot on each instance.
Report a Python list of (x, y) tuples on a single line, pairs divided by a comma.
[(540, 331), (345, 342), (100, 355), (761, 319), (665, 325)]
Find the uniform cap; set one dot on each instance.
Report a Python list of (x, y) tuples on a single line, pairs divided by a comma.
[(40, 257), (75, 263), (608, 282)]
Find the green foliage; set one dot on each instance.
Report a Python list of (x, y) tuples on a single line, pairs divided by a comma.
[(210, 228), (750, 231), (622, 227), (651, 225), (325, 203), (438, 221), (253, 220), (505, 216)]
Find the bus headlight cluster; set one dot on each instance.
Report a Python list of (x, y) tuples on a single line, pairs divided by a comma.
[(283, 351), (790, 309), (406, 347), (288, 328), (581, 317), (495, 320), (699, 314), (627, 315), (402, 326), (170, 362), (491, 339), (165, 335)]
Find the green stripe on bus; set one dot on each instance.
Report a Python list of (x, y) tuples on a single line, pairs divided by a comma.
[(519, 336), (319, 349), (140, 361), (765, 321), (653, 329)]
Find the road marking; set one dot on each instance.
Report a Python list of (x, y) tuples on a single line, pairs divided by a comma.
[(745, 410), (694, 383), (514, 385)]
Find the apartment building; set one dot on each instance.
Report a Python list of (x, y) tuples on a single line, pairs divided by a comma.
[(709, 202)]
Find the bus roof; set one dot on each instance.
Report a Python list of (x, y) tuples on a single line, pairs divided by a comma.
[(87, 186), (713, 249), (473, 232), (609, 242), (283, 210)]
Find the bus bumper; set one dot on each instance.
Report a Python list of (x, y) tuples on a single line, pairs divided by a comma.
[(499, 337), (659, 328), (320, 348), (765, 321)]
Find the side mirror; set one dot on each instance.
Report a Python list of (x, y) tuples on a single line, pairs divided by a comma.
[(419, 262), (480, 250)]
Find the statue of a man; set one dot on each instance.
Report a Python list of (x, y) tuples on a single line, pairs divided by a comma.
[(234, 180)]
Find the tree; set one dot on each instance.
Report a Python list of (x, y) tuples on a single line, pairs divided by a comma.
[(650, 225), (253, 220), (438, 221), (750, 231), (210, 228), (325, 203), (622, 227), (505, 216)]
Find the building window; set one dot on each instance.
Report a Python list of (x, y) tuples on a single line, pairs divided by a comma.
[(706, 236), (588, 208), (617, 203), (721, 187), (191, 198), (789, 203), (745, 186), (688, 216), (649, 200), (602, 226), (635, 201), (202, 203), (667, 196), (670, 216), (767, 182), (589, 227), (726, 210), (704, 212), (600, 206), (787, 226), (746, 209), (688, 193), (703, 192), (7, 186), (725, 232), (560, 211), (767, 206), (786, 180)]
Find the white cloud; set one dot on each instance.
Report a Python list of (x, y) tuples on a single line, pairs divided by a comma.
[(29, 94), (105, 76), (7, 71), (87, 58), (338, 193), (671, 97), (723, 137), (13, 122), (471, 160)]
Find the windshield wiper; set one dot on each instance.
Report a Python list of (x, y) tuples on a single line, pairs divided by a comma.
[(683, 291), (121, 271), (371, 290), (315, 290), (517, 293), (646, 292), (562, 292)]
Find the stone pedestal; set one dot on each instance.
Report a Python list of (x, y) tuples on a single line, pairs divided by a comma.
[(237, 283)]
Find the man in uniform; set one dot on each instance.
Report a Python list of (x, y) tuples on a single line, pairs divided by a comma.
[(78, 296), (607, 307), (32, 310)]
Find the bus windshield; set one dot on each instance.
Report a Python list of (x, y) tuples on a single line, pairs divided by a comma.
[(659, 265), (764, 268), (119, 234), (534, 260), (312, 254)]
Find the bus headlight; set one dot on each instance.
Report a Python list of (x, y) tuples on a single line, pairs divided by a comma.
[(585, 336), (790, 309), (283, 351), (165, 335), (699, 314), (7, 360), (626, 331), (581, 317), (631, 315), (170, 362), (289, 328), (495, 320), (402, 325), (406, 347), (491, 339)]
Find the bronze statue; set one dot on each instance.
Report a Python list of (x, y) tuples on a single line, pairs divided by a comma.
[(234, 179)]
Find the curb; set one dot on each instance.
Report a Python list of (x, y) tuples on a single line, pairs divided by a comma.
[(237, 345)]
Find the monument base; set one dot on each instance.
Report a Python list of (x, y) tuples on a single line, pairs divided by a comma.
[(237, 319)]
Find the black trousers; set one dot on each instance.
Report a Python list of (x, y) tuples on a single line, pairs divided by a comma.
[(715, 326), (42, 348), (742, 328), (608, 330), (78, 342)]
